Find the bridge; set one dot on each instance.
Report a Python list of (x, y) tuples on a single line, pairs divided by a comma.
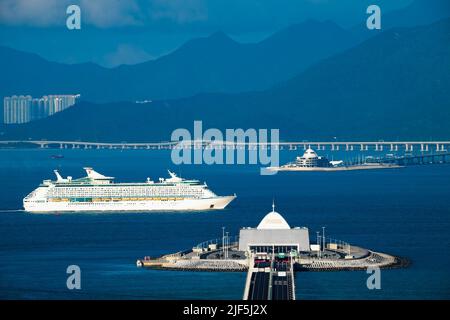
[(270, 280), (89, 144), (408, 160), (380, 145)]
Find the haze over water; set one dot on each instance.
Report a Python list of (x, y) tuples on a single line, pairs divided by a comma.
[(403, 212)]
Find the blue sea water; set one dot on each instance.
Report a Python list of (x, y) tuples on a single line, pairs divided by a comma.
[(403, 212)]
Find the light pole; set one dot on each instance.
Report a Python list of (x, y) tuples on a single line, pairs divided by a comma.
[(318, 243), (223, 242), (323, 238), (226, 248)]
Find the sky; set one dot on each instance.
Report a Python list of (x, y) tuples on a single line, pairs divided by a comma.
[(115, 32)]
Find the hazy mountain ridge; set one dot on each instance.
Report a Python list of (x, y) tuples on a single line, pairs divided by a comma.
[(392, 86), (211, 64)]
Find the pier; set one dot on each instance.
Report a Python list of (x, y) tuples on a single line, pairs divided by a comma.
[(272, 276), (271, 254)]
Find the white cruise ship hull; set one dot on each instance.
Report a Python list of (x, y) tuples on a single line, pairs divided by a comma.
[(129, 206)]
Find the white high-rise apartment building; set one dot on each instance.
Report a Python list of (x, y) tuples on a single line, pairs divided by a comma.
[(23, 109)]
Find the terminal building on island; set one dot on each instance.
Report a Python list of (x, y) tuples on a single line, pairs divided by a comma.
[(273, 234), (311, 161)]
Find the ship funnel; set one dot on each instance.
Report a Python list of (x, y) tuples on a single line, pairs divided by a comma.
[(91, 173), (173, 177), (58, 176)]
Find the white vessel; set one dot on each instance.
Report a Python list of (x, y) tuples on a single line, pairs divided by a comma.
[(96, 192)]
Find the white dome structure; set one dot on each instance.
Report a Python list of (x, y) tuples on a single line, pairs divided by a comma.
[(310, 154), (273, 220), (273, 234)]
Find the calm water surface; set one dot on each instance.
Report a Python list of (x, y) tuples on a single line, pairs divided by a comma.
[(403, 212)]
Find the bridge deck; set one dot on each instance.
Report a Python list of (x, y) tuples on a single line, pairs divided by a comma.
[(270, 281), (378, 144), (259, 286)]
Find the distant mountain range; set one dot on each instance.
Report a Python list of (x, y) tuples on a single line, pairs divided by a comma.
[(419, 12), (212, 64), (394, 85)]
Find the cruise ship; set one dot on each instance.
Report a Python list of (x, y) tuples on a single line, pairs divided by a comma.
[(97, 192)]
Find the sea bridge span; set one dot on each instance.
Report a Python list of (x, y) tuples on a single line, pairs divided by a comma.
[(380, 145)]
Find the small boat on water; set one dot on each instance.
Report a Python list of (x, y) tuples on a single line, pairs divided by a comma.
[(57, 156)]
